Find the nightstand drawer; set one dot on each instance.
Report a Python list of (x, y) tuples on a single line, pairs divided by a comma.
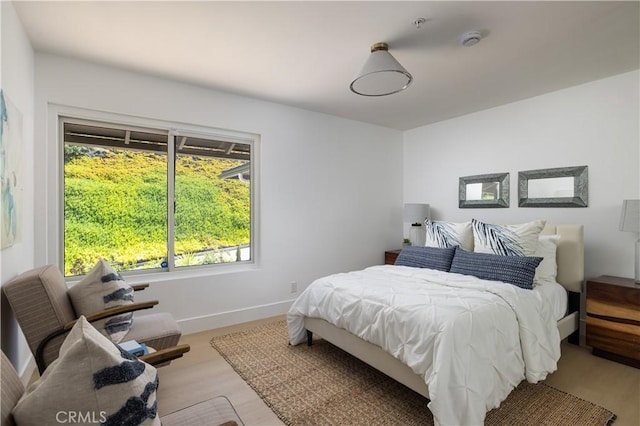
[(613, 319), (612, 311), (615, 337), (615, 295)]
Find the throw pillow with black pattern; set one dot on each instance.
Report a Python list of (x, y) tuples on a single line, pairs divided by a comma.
[(93, 381), (100, 289)]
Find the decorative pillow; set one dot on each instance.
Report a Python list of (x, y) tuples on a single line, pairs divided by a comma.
[(93, 381), (547, 271), (100, 289), (506, 240), (516, 270), (426, 257), (448, 234)]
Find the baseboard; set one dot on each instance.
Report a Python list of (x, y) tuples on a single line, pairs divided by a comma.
[(239, 316), (197, 324)]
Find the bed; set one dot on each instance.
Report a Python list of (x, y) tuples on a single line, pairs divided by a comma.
[(459, 394)]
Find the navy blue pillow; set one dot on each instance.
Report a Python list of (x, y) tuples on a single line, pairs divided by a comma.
[(426, 257), (516, 270)]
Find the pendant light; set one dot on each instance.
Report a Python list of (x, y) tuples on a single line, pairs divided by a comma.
[(381, 75)]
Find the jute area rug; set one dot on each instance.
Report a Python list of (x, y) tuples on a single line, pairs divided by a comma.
[(323, 385)]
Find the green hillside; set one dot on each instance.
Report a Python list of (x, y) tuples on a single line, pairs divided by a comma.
[(115, 207)]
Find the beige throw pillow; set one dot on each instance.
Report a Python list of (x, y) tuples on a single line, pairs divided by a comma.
[(93, 381), (448, 234), (547, 249), (506, 240), (100, 289)]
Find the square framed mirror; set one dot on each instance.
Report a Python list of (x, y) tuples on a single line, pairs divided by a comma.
[(558, 187), (484, 191)]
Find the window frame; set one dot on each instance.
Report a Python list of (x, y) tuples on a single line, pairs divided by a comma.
[(173, 130)]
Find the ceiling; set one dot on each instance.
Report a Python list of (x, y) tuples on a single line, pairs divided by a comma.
[(305, 54)]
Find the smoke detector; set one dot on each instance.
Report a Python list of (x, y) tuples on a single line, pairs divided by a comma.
[(419, 22), (470, 38)]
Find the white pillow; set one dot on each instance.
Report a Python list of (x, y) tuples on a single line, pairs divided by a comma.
[(448, 234), (506, 240), (93, 381), (547, 271), (100, 289)]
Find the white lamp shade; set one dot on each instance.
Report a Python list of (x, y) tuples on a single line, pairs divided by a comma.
[(381, 75), (630, 217), (416, 213)]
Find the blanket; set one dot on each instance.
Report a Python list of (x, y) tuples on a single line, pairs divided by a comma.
[(472, 340)]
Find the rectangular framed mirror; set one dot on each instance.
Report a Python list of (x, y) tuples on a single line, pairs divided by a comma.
[(491, 190), (559, 187)]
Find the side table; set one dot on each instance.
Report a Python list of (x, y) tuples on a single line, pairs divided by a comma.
[(613, 319)]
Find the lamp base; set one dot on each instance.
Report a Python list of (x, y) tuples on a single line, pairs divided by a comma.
[(416, 233)]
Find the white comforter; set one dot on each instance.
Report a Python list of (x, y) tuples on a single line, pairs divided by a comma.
[(472, 340)]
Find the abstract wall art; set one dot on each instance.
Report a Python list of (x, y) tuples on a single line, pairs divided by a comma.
[(10, 172)]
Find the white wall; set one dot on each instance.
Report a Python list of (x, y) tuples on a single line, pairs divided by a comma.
[(330, 188), (594, 124), (17, 84)]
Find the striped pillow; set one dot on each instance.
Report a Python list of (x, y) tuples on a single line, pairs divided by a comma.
[(516, 270), (100, 289), (93, 381), (426, 257)]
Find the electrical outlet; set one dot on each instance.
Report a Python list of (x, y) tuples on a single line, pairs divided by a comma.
[(294, 287)]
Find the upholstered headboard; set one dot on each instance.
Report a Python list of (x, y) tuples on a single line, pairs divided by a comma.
[(570, 255)]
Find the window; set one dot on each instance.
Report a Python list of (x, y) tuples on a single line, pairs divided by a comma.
[(155, 199)]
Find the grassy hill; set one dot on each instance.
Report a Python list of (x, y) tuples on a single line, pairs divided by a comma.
[(115, 205)]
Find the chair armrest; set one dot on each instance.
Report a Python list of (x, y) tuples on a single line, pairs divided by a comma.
[(115, 311), (164, 355), (106, 313), (139, 287)]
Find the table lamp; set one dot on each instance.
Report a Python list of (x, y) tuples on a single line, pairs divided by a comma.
[(415, 214), (630, 222)]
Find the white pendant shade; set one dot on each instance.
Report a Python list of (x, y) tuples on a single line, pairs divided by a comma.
[(381, 75)]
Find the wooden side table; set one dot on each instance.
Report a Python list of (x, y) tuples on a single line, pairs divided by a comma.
[(613, 319), (390, 256)]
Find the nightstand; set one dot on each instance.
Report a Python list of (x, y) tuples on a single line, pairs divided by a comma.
[(390, 256), (613, 319)]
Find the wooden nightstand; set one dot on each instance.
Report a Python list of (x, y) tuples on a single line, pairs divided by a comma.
[(390, 256), (613, 319)]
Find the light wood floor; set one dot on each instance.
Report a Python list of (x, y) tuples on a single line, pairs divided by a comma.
[(203, 373)]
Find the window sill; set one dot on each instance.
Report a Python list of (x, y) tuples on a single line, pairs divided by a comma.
[(140, 277)]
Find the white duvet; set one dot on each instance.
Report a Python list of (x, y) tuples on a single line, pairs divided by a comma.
[(472, 340)]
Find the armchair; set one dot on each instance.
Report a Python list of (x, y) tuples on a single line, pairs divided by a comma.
[(215, 411), (45, 314)]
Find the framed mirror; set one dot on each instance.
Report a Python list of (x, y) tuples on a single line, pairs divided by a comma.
[(559, 187), (480, 191)]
